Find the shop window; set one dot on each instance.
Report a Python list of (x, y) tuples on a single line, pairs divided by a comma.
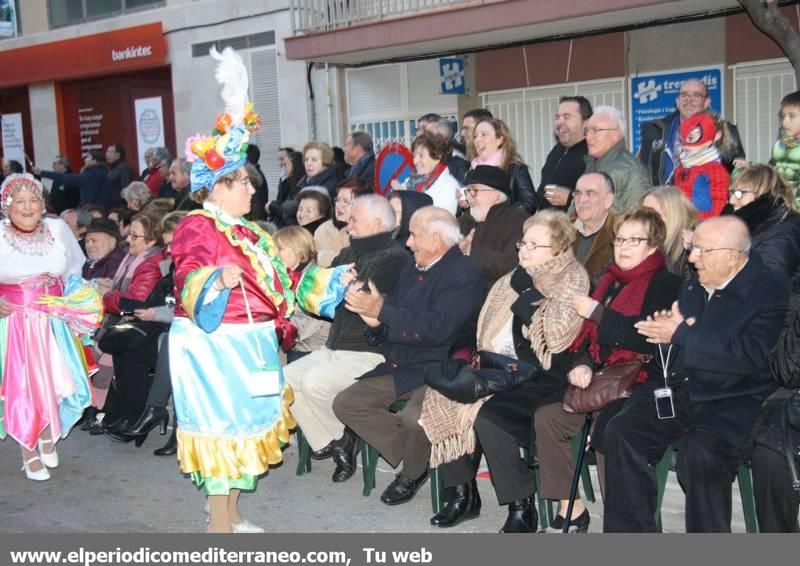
[(69, 12)]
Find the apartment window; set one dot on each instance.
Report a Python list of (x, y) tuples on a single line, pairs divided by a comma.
[(69, 12)]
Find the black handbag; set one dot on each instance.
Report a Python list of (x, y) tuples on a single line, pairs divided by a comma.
[(459, 381), (128, 335)]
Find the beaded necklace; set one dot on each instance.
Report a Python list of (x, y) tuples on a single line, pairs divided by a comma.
[(28, 242)]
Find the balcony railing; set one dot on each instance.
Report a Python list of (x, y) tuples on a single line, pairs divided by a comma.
[(310, 16)]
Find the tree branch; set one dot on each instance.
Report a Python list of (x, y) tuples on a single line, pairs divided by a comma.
[(766, 17)]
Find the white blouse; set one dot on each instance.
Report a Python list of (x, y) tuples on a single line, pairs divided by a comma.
[(62, 259), (443, 192)]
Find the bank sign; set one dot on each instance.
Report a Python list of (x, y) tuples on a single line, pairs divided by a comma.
[(654, 95)]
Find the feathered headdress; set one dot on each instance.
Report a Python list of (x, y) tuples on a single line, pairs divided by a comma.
[(224, 151)]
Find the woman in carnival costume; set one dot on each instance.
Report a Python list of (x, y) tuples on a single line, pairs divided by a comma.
[(44, 387), (234, 301)]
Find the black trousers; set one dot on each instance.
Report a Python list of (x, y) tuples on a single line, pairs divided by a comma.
[(132, 380), (776, 501), (504, 426), (161, 388), (635, 439)]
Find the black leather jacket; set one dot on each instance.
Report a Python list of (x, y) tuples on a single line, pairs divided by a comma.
[(523, 193)]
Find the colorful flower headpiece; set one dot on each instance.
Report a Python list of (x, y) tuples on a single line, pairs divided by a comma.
[(18, 182), (224, 151)]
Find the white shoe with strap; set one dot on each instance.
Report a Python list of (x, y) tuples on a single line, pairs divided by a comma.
[(49, 459), (38, 475)]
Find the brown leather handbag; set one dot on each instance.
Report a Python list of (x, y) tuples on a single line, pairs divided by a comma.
[(607, 385)]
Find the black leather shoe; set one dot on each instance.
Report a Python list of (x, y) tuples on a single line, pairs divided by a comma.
[(171, 447), (89, 418), (151, 418), (121, 436), (463, 503), (119, 426), (579, 524), (345, 451), (402, 489), (323, 453), (522, 517)]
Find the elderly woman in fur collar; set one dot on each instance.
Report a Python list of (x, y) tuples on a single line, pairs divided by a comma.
[(524, 331)]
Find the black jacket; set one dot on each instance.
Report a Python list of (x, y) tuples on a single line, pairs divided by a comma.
[(63, 197), (95, 188), (724, 354), (364, 169), (411, 202), (654, 139), (494, 245), (380, 259), (563, 167), (424, 316), (328, 178), (523, 194), (120, 175), (616, 329), (775, 232), (458, 167)]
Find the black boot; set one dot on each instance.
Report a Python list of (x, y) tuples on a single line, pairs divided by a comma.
[(463, 503), (171, 447), (151, 418), (344, 455), (522, 517)]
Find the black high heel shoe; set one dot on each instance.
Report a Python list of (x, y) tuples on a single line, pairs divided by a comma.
[(171, 447), (149, 419), (125, 438)]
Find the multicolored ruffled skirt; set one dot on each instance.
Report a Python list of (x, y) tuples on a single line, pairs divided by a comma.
[(226, 437), (43, 378)]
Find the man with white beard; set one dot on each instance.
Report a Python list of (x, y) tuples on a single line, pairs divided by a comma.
[(493, 227)]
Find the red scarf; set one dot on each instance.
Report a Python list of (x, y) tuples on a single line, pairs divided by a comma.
[(423, 186), (629, 302)]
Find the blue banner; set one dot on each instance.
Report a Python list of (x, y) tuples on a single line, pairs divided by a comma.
[(654, 96)]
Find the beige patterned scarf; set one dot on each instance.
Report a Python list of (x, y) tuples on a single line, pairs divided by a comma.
[(447, 423)]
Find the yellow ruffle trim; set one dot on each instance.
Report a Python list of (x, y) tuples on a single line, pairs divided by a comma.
[(228, 457)]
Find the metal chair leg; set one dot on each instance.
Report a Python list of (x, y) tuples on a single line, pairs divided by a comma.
[(573, 493)]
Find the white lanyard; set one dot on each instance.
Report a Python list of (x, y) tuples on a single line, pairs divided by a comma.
[(664, 363), (250, 320)]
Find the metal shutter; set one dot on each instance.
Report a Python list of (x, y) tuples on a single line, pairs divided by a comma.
[(264, 89)]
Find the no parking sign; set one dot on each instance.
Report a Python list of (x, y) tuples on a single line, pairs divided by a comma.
[(393, 162)]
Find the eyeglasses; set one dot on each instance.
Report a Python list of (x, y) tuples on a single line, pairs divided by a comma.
[(692, 95), (593, 131), (530, 245), (241, 180), (692, 249), (473, 192), (739, 193), (632, 242), (133, 236)]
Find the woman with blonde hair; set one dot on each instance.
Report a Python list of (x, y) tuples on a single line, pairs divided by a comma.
[(493, 145), (765, 201), (680, 218)]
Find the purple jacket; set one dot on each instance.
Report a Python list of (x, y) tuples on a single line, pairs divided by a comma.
[(103, 267)]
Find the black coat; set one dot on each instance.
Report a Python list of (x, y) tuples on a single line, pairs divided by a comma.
[(120, 175), (775, 232), (563, 167), (364, 169), (378, 258), (328, 178), (616, 329), (95, 188), (63, 197), (425, 315), (724, 354), (523, 194)]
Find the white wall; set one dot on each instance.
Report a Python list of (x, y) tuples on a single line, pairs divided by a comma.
[(42, 99)]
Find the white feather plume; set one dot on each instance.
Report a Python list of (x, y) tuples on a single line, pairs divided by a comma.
[(231, 73)]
